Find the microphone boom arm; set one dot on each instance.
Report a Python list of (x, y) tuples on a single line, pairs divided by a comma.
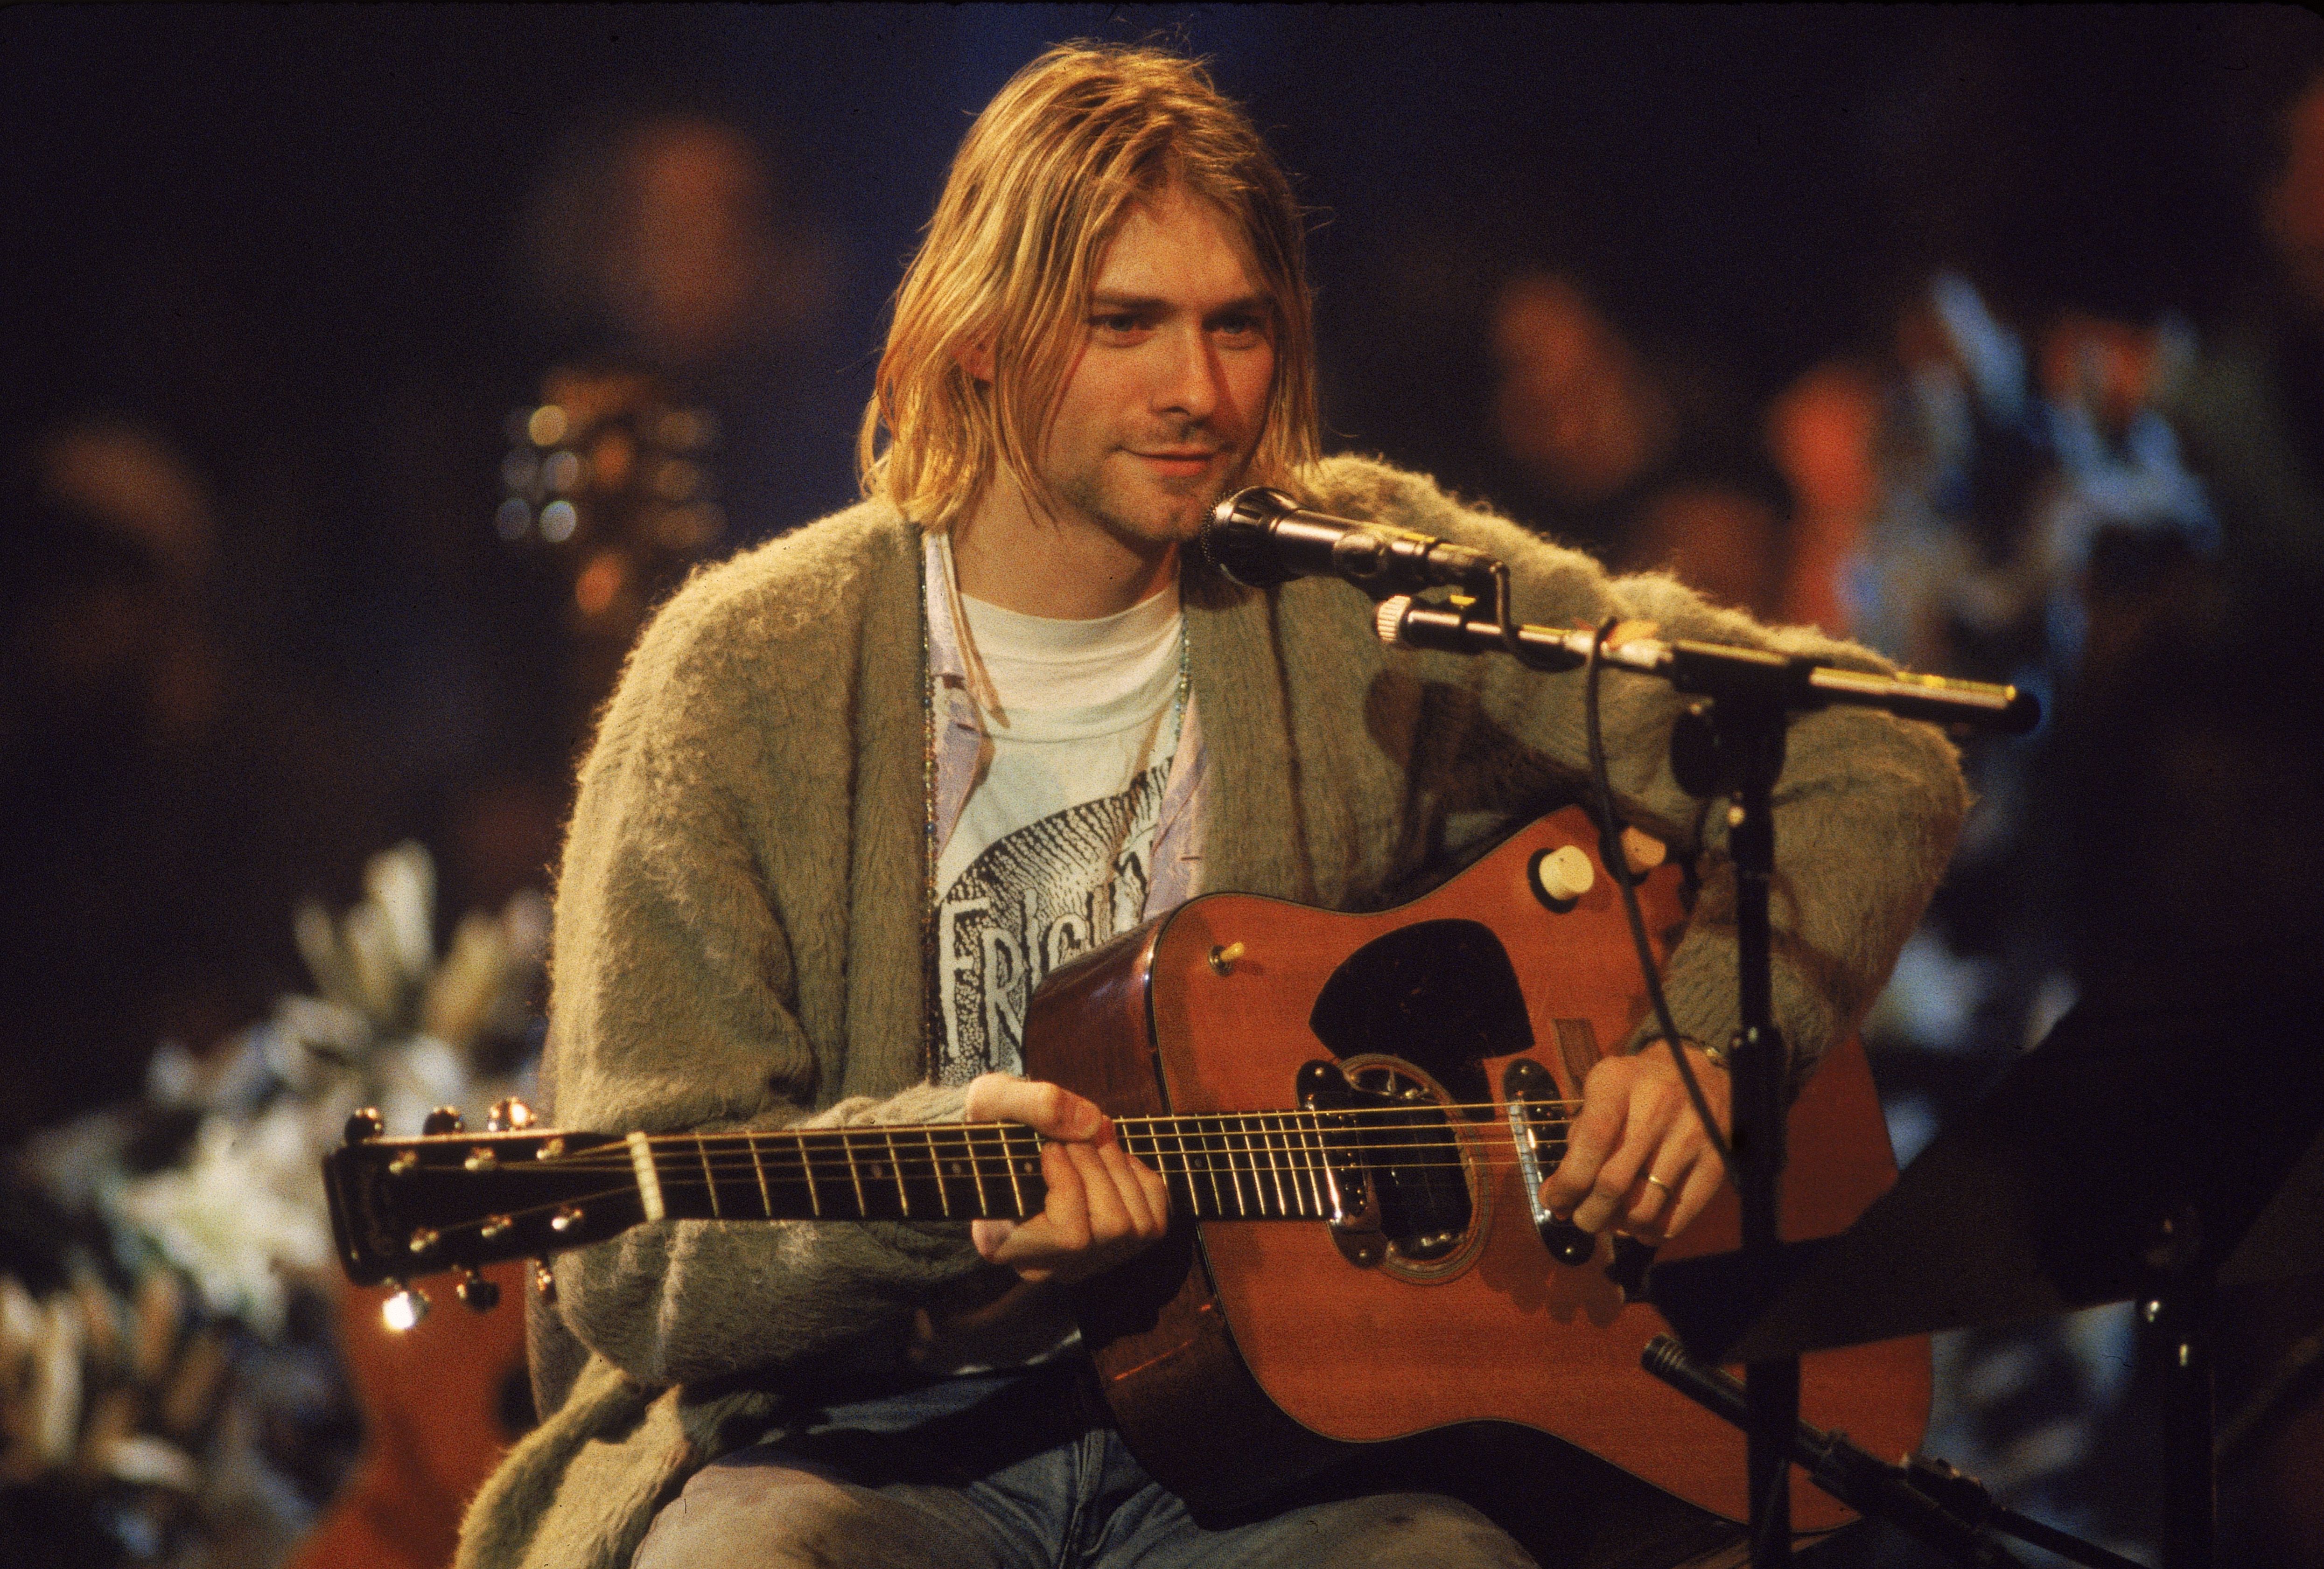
[(1792, 682)]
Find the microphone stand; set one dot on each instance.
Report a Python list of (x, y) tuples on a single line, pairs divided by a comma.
[(1730, 742)]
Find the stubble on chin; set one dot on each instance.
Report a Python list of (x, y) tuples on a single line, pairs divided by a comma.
[(1162, 516)]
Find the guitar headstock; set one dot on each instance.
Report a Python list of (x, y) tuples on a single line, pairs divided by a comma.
[(454, 1201)]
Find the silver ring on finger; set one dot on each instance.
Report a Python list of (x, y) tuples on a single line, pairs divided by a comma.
[(1668, 1191)]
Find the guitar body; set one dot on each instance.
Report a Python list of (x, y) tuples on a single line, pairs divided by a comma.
[(1240, 1356)]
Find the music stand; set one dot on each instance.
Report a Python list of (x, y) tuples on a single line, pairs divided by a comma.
[(2139, 1153)]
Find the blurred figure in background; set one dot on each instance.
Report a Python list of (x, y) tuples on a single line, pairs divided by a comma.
[(680, 287), (1971, 507), (680, 294), (1629, 455), (2134, 527), (171, 796), (2239, 760)]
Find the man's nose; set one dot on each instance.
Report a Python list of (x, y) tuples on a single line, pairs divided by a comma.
[(1189, 375)]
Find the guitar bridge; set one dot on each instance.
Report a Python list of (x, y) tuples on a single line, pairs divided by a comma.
[(1537, 1123)]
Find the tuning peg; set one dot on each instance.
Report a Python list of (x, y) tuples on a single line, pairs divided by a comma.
[(364, 1125), (481, 1295), (508, 1116), (544, 1279), (444, 1119), (407, 1307)]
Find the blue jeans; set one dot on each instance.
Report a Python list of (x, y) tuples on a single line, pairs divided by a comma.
[(1017, 1471)]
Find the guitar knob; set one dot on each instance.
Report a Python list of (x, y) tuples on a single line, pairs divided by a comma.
[(1642, 852), (480, 1295), (444, 1119), (1562, 875), (365, 1125), (407, 1307), (508, 1116)]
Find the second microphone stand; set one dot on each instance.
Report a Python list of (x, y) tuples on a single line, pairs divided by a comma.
[(1729, 743)]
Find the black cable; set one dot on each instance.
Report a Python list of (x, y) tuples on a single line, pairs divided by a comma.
[(1609, 844), (1609, 850)]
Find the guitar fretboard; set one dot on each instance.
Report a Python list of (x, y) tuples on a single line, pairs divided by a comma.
[(1245, 1166)]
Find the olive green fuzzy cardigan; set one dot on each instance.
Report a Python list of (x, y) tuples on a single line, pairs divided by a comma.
[(738, 936)]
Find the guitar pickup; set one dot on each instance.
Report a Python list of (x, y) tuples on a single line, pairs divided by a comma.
[(1538, 1122), (1355, 1218)]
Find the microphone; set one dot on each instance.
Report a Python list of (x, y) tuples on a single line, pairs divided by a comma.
[(1261, 537)]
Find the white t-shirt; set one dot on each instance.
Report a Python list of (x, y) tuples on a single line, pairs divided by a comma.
[(1053, 849)]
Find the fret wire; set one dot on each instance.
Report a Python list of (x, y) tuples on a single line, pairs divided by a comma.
[(935, 1164), (1319, 1168), (1300, 1168), (806, 1170), (1275, 1169), (1252, 1152), (1186, 1164), (1235, 1173), (1198, 1159), (766, 1199), (1008, 1164), (976, 1170), (1328, 1184), (709, 1179), (1033, 1159), (1226, 1150), (854, 1170), (1239, 1137), (1293, 1149), (1270, 1133), (895, 1169)]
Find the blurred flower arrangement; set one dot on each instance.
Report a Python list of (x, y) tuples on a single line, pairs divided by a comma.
[(170, 1393)]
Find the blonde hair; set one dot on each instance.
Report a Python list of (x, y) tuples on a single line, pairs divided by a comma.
[(1040, 185)]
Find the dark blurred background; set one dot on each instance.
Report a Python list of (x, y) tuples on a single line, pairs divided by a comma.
[(1944, 327)]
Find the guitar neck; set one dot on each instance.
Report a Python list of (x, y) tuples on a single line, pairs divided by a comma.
[(401, 1208), (1248, 1166)]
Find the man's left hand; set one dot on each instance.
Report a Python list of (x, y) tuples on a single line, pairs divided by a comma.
[(1103, 1204), (1636, 1157)]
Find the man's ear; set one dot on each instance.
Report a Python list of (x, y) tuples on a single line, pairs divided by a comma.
[(975, 357)]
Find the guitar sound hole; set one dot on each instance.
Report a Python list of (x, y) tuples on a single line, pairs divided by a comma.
[(1419, 1162)]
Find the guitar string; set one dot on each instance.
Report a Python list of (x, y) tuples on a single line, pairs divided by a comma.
[(995, 1167), (1185, 1167), (616, 1144), (618, 1147), (951, 1145), (1162, 1164), (1287, 1140), (1281, 1209)]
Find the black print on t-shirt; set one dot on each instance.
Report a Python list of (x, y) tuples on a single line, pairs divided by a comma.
[(1031, 901)]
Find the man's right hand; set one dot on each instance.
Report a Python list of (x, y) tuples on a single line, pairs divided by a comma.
[(1104, 1205)]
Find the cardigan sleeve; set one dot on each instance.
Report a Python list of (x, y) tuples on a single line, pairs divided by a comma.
[(676, 1005), (1866, 808)]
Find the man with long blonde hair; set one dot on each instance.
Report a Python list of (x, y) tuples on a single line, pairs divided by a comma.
[(863, 787)]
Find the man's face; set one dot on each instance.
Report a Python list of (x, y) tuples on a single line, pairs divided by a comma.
[(1163, 402)]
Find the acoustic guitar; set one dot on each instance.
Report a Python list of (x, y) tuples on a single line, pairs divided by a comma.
[(1352, 1112)]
